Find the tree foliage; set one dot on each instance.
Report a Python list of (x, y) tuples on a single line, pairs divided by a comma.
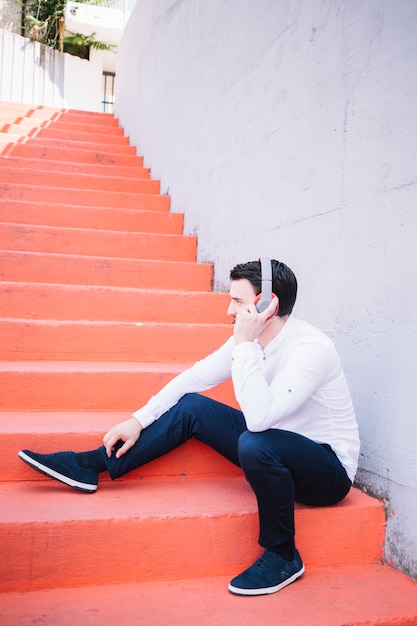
[(45, 22)]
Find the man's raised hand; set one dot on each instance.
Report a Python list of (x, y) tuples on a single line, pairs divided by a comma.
[(249, 323), (128, 432)]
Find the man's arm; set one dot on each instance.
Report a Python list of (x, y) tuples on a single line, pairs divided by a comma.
[(203, 375), (267, 405)]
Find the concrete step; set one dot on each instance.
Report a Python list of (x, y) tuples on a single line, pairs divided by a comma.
[(8, 141), (164, 530), (75, 167), (60, 123), (88, 386), (26, 115), (94, 242), (84, 197), (52, 127), (16, 130), (104, 270), (95, 155), (85, 118), (115, 148), (18, 111), (28, 110), (65, 430), (358, 595), (79, 181), (42, 301), (28, 121), (19, 122), (115, 137), (27, 340), (25, 212)]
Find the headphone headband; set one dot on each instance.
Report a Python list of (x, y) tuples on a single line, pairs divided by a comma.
[(266, 284)]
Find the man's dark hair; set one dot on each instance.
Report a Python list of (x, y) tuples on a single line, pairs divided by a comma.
[(284, 282)]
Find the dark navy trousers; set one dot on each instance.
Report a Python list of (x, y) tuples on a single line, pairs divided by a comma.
[(281, 467)]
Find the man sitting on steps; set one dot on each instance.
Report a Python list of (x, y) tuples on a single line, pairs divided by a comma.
[(295, 437)]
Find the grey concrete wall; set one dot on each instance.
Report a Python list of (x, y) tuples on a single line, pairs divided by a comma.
[(288, 128)]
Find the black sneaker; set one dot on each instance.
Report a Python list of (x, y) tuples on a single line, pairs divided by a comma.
[(268, 574), (63, 467)]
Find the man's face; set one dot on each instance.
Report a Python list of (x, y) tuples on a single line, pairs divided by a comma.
[(242, 293)]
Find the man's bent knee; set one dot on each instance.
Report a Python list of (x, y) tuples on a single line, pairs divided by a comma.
[(248, 448)]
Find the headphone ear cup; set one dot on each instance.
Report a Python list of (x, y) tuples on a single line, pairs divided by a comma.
[(276, 308), (261, 303), (264, 304)]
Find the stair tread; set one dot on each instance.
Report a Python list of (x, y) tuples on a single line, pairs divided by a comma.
[(92, 135), (23, 163), (25, 422), (87, 117), (107, 323), (368, 595), (39, 204), (75, 155), (24, 300), (51, 431), (139, 291), (109, 340), (91, 146), (86, 197), (94, 232), (79, 180), (46, 189), (39, 214), (54, 388), (215, 519), (104, 270), (91, 366), (52, 502), (62, 124), (94, 242)]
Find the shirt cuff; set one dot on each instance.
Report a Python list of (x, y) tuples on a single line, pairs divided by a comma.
[(144, 418), (243, 351)]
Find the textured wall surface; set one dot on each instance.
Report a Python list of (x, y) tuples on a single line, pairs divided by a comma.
[(10, 16), (288, 128), (31, 73)]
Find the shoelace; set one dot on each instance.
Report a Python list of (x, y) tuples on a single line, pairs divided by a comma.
[(265, 559)]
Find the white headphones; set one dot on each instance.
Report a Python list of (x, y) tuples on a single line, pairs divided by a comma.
[(265, 297)]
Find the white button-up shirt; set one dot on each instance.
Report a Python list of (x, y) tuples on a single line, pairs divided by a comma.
[(295, 383)]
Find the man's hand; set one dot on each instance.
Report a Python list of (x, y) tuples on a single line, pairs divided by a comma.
[(128, 431), (249, 323)]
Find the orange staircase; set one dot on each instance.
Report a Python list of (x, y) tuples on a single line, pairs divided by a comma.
[(101, 303)]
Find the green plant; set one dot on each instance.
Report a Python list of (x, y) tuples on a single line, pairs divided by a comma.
[(45, 22)]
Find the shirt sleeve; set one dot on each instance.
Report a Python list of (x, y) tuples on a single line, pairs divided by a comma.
[(203, 375), (268, 404)]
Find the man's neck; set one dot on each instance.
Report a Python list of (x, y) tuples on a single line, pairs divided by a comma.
[(272, 330)]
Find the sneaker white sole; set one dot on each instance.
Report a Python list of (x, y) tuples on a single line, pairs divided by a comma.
[(264, 590), (43, 469)]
